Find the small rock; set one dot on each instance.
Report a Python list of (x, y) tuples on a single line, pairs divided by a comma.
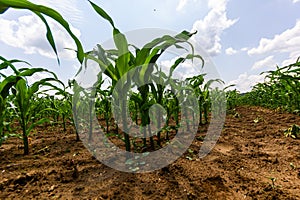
[(52, 188), (78, 188)]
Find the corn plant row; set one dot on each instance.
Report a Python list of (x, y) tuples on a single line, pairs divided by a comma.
[(279, 91), (22, 102), (32, 106)]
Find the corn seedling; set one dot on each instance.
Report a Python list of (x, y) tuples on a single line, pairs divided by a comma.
[(24, 101), (279, 91), (293, 131), (115, 63)]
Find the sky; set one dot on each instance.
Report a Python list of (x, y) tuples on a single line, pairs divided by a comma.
[(241, 38)]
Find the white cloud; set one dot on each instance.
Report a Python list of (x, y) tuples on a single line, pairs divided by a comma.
[(29, 33), (295, 1), (221, 4), (286, 42), (265, 63), (211, 27), (184, 5), (245, 82), (230, 51), (181, 4), (292, 58), (244, 49), (69, 9)]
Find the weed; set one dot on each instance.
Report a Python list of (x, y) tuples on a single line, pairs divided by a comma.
[(293, 131)]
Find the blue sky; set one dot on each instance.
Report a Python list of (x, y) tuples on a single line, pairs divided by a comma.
[(242, 38)]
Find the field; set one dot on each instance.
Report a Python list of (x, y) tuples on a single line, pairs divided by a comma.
[(250, 161), (257, 155)]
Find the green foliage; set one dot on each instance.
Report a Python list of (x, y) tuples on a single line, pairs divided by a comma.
[(17, 81), (201, 89), (25, 95), (24, 101), (233, 99), (293, 131), (280, 91), (30, 109), (40, 11), (115, 63), (5, 85), (20, 101)]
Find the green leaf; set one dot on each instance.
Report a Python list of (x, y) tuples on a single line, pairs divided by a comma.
[(9, 63), (35, 86), (31, 71), (185, 35), (190, 151), (102, 13), (40, 9), (189, 158), (6, 84), (3, 8), (122, 62), (33, 125), (136, 98), (21, 97), (107, 69)]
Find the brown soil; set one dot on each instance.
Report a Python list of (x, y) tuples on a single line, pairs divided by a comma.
[(247, 157)]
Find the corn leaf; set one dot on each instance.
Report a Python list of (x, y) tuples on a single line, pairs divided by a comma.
[(38, 10), (102, 13)]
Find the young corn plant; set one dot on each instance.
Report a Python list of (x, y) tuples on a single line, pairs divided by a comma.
[(158, 89), (169, 103), (162, 83), (3, 114), (5, 85), (74, 101), (64, 111), (115, 63), (24, 101), (293, 131), (232, 98), (196, 82), (202, 90), (41, 11), (280, 89), (103, 106)]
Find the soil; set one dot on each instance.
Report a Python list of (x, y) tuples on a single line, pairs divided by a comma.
[(252, 160)]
